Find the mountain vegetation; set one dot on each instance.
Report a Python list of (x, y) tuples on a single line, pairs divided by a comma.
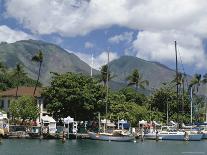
[(56, 59), (14, 77)]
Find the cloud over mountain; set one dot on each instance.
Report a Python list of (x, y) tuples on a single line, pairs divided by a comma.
[(159, 23), (9, 35)]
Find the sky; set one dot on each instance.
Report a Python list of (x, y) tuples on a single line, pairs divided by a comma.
[(146, 29)]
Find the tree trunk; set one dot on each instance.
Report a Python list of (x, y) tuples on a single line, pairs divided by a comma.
[(17, 87), (37, 78)]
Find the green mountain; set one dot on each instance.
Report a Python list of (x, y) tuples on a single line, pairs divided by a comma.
[(154, 72), (56, 59), (59, 60)]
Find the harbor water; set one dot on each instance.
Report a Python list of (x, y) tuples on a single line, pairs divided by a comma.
[(94, 147)]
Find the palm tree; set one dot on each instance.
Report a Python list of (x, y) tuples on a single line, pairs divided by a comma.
[(104, 72), (39, 59), (204, 81), (2, 68), (136, 79), (17, 72), (195, 82)]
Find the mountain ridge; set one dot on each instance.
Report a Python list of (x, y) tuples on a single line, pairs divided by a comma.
[(57, 59)]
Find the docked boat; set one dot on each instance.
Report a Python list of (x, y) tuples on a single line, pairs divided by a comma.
[(4, 125), (180, 135), (34, 132), (116, 135), (150, 136), (203, 129)]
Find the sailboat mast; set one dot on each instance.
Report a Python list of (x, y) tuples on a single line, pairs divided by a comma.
[(176, 78), (107, 83), (191, 105)]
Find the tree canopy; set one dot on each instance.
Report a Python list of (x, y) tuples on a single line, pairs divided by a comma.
[(24, 107), (13, 77), (75, 95)]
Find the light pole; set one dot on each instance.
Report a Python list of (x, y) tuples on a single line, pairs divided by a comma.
[(99, 121), (151, 104)]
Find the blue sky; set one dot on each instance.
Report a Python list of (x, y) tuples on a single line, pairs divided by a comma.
[(145, 29)]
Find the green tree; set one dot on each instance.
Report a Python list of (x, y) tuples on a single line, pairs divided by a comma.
[(18, 71), (164, 100), (196, 82), (122, 109), (133, 96), (39, 59), (75, 95), (11, 78), (136, 79), (104, 72), (2, 68), (24, 107)]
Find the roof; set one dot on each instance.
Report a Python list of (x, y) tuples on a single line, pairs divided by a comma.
[(48, 119), (27, 91)]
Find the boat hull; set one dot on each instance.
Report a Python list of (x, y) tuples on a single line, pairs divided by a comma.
[(190, 137), (204, 136), (96, 136), (150, 136)]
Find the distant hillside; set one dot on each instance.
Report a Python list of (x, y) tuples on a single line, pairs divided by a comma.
[(154, 72), (56, 59), (59, 60)]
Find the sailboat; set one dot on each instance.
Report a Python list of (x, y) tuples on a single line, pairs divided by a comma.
[(174, 134), (115, 135)]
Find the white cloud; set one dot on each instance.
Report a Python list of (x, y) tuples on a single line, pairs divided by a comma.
[(70, 18), (88, 45), (98, 60), (126, 36), (159, 46), (160, 22), (9, 35)]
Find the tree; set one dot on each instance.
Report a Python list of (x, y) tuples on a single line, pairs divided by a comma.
[(128, 110), (11, 78), (39, 59), (104, 72), (2, 68), (136, 79), (75, 95), (133, 96), (24, 107), (164, 100), (195, 82), (18, 71), (4, 80)]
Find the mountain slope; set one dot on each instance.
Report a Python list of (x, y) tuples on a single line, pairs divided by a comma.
[(154, 72), (56, 59)]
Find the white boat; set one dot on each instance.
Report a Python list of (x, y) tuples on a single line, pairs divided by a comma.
[(115, 136), (150, 136), (180, 135)]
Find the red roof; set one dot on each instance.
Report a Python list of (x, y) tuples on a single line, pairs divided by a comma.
[(27, 91)]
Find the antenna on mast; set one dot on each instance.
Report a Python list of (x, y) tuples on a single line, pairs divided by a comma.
[(92, 65)]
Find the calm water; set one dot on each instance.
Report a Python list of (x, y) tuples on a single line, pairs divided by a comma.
[(92, 147)]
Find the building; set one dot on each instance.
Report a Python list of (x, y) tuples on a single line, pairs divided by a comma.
[(8, 95)]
